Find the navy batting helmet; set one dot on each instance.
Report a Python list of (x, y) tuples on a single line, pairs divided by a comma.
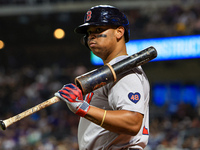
[(104, 15)]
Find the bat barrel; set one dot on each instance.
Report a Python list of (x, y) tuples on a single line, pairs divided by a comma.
[(99, 77)]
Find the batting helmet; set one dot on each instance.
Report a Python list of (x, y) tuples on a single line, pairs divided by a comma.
[(102, 15)]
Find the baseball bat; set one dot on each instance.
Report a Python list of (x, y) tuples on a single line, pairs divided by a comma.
[(92, 80)]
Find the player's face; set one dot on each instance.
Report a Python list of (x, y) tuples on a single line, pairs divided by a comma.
[(102, 40)]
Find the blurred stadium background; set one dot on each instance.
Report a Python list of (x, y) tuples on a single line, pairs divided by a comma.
[(34, 64)]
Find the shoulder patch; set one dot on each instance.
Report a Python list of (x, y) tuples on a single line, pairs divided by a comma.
[(134, 97)]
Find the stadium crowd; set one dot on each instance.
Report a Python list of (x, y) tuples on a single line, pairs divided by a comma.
[(55, 127)]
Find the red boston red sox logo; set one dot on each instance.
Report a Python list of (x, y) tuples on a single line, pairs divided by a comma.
[(89, 15), (134, 97)]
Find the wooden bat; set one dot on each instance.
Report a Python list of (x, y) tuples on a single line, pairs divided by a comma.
[(92, 80)]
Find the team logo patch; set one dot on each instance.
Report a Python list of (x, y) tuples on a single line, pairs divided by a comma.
[(89, 15), (134, 97)]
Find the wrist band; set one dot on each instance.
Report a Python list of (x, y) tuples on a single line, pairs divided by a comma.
[(103, 118)]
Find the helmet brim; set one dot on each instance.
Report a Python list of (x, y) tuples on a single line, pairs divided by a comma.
[(82, 29)]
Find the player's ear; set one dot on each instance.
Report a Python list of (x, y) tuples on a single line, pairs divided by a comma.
[(120, 32)]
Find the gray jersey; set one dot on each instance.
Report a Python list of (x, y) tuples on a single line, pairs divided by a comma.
[(131, 92)]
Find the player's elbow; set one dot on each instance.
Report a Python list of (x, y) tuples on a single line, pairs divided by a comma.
[(135, 124), (134, 129)]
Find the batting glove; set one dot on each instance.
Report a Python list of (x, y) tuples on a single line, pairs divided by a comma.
[(72, 95)]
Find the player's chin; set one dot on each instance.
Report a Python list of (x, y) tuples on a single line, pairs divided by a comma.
[(96, 52)]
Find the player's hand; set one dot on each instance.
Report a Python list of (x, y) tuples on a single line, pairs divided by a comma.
[(72, 95)]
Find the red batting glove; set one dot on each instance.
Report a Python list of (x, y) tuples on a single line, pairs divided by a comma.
[(72, 95)]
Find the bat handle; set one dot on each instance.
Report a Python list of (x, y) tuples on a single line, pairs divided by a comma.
[(5, 123)]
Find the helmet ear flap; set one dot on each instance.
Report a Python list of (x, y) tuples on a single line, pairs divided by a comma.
[(84, 40)]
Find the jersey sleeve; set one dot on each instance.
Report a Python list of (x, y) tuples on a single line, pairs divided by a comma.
[(128, 94)]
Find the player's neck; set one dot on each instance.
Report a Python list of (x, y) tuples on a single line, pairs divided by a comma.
[(115, 54)]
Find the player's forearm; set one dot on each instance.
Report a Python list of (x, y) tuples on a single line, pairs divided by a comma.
[(119, 121)]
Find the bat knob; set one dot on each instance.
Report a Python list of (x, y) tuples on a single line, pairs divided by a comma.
[(2, 124)]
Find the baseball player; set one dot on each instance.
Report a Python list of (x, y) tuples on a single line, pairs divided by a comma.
[(115, 116)]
